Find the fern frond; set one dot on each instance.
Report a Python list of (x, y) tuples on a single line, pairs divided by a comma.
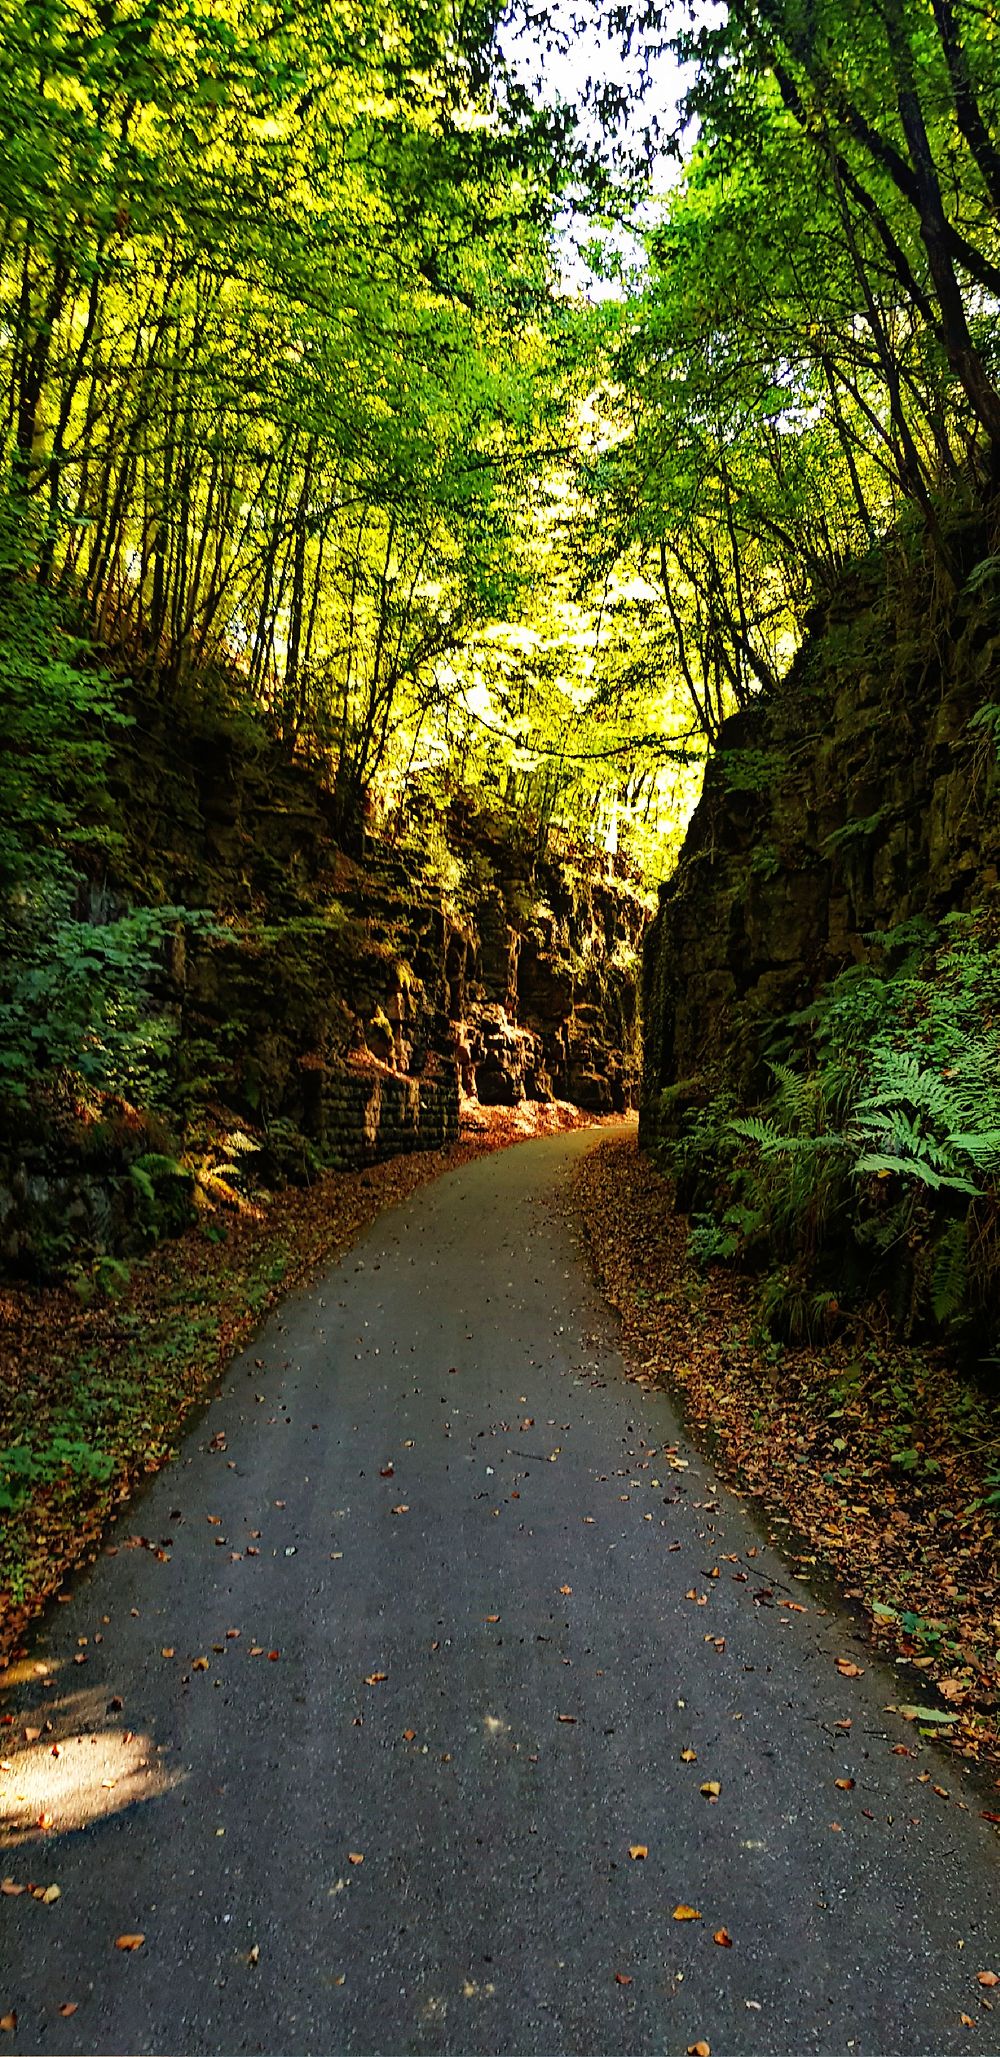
[(949, 1275)]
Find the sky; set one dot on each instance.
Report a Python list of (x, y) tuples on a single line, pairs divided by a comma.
[(562, 75)]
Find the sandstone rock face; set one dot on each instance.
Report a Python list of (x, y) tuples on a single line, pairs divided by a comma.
[(854, 799)]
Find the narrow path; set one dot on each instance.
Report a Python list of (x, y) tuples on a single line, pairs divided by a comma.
[(530, 1557)]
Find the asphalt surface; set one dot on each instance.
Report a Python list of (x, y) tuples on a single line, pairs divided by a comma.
[(487, 1665)]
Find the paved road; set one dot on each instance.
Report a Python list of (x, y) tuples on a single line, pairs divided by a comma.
[(530, 1557)]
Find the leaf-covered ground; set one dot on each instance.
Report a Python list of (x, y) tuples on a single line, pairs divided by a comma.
[(872, 1460), (92, 1399)]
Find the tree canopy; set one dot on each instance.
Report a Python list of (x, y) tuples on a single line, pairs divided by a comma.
[(300, 412)]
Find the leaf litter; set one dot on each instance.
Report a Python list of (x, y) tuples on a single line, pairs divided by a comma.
[(813, 1431)]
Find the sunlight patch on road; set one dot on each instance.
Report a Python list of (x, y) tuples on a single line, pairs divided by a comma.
[(92, 1776)]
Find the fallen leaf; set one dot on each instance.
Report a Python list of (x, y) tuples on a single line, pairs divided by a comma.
[(199, 1664), (68, 2007), (926, 1714), (355, 1857), (129, 1942), (699, 2049), (8, 2022), (566, 1590), (491, 1617), (10, 1890), (387, 1471), (253, 1954), (401, 1509), (689, 1756), (988, 1978), (711, 1789), (636, 1850), (566, 1717), (845, 1785), (409, 1735), (848, 1669), (682, 1913), (31, 1735), (966, 2021), (723, 1938), (50, 1894), (376, 1678), (273, 1656), (623, 1978)]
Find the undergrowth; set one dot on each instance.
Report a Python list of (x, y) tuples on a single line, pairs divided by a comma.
[(868, 1172)]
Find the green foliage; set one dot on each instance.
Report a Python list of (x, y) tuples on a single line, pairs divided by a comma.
[(77, 997), (25, 1465), (874, 1159), (750, 771), (76, 994), (164, 1186), (104, 1277), (986, 723), (854, 831)]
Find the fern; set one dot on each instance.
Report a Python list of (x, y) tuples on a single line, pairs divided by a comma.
[(753, 1128), (949, 1274), (881, 1165), (143, 1184)]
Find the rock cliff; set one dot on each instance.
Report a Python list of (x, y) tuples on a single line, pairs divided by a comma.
[(864, 793), (327, 1010)]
